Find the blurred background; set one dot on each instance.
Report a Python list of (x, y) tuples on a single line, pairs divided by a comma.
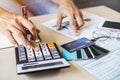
[(41, 7), (114, 4)]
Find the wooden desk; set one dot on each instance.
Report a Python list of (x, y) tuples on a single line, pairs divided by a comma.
[(7, 56)]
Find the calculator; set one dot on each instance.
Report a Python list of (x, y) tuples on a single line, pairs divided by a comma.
[(48, 57)]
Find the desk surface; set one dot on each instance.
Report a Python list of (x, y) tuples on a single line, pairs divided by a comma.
[(74, 72)]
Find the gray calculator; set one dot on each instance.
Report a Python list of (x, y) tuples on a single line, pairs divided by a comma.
[(48, 57)]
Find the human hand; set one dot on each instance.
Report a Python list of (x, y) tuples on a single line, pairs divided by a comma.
[(13, 25), (68, 9)]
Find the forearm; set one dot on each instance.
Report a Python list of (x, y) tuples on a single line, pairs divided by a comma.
[(3, 11)]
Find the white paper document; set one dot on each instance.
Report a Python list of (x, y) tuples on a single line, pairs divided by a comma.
[(105, 68), (4, 42), (85, 31)]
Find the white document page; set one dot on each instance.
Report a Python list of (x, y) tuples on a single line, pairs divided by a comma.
[(4, 42), (107, 67), (85, 31)]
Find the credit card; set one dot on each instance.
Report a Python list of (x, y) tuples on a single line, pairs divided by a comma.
[(88, 52), (77, 44)]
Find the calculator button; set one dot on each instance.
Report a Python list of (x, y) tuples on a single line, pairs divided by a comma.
[(21, 54), (53, 50), (55, 53), (30, 55), (45, 51), (38, 54)]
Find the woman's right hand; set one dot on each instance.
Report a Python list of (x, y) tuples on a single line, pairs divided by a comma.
[(14, 25)]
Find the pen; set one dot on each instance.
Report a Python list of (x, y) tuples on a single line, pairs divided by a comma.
[(24, 13), (39, 38), (29, 36)]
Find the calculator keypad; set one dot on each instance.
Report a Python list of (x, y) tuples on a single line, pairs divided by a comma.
[(46, 52)]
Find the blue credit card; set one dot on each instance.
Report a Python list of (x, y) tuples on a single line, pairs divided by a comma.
[(77, 44)]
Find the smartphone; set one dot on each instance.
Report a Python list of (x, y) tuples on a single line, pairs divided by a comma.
[(114, 26)]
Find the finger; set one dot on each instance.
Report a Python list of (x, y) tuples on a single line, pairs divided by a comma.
[(81, 14), (9, 35), (73, 24), (80, 20), (27, 24), (12, 40), (87, 19), (59, 21), (19, 35), (35, 46), (37, 30), (18, 25)]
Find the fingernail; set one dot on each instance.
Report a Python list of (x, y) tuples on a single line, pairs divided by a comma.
[(58, 29), (77, 34), (28, 47), (16, 45), (37, 49)]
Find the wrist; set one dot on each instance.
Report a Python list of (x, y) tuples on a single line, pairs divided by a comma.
[(56, 1), (59, 2)]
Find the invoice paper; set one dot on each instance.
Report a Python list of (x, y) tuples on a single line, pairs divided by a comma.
[(105, 68), (84, 31)]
